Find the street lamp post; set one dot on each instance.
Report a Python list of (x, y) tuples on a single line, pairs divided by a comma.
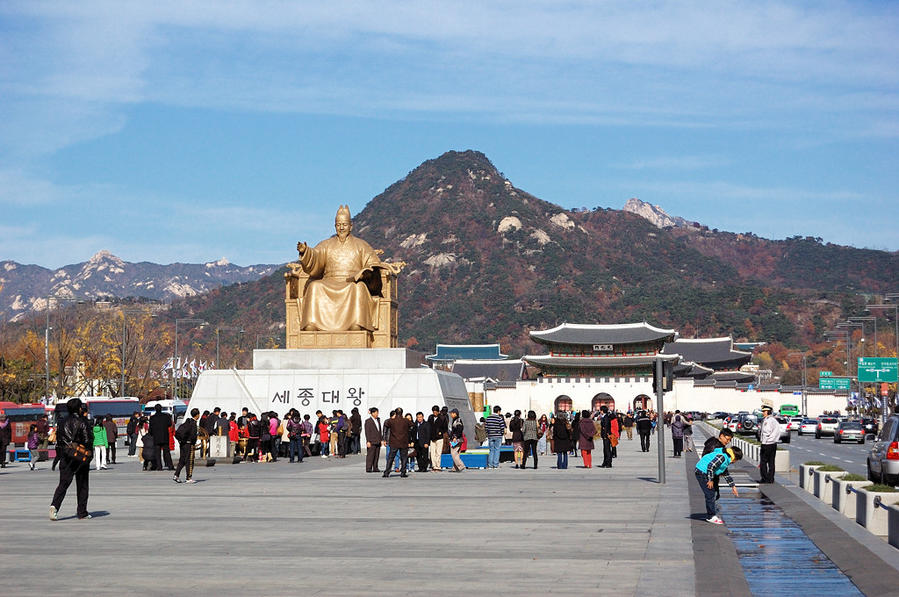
[(125, 313), (47, 329), (178, 321), (804, 380), (239, 331), (895, 308), (863, 320)]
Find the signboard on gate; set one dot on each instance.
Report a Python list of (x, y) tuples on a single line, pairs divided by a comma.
[(878, 370)]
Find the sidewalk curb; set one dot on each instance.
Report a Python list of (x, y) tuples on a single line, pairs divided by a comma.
[(718, 569)]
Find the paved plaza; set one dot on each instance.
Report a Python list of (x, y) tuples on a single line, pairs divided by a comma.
[(328, 528)]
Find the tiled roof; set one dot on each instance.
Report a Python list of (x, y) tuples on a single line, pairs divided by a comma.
[(707, 351), (509, 370), (627, 333), (455, 352)]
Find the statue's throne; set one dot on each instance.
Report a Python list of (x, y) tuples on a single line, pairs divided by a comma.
[(382, 286)]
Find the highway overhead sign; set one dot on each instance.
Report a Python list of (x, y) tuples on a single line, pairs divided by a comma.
[(877, 370), (834, 383)]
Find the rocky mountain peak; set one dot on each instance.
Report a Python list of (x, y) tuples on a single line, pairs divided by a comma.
[(655, 214)]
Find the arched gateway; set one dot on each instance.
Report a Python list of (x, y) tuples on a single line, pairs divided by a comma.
[(600, 400), (563, 404)]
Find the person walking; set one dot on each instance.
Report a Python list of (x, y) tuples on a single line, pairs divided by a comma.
[(295, 437), (605, 434), (629, 425), (456, 434), (159, 429), (100, 444), (5, 438), (517, 438), (307, 435), (561, 440), (530, 433), (374, 439), (688, 435), (677, 433), (187, 440), (398, 428), (324, 436), (131, 432), (422, 434), (496, 429), (254, 434), (542, 428), (112, 434), (274, 430), (586, 429), (33, 442), (644, 428), (438, 424), (769, 434), (707, 469), (73, 432), (355, 431)]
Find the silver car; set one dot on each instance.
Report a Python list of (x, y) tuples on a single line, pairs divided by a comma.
[(826, 426), (808, 426), (849, 431), (883, 459)]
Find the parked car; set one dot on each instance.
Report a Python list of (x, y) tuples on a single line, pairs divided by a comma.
[(783, 423), (849, 431), (720, 415), (808, 426), (826, 426), (883, 458), (746, 424)]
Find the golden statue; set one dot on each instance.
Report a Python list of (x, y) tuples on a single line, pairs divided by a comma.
[(341, 294)]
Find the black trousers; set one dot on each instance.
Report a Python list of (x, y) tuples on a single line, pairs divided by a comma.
[(186, 460), (678, 445), (644, 441), (341, 443), (766, 462), (422, 457), (3, 453), (530, 446), (132, 444), (110, 452), (371, 458), (163, 453), (391, 456), (68, 470), (606, 452)]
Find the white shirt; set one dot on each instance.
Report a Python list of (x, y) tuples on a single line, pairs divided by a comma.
[(770, 433)]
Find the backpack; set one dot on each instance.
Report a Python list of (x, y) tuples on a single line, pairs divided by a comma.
[(182, 432)]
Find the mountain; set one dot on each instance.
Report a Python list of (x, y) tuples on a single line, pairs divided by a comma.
[(488, 261), (24, 288), (656, 215)]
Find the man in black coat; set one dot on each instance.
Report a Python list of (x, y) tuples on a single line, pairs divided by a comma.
[(131, 432), (355, 431), (605, 430), (5, 438), (73, 429), (159, 429), (187, 439), (438, 424), (422, 441), (398, 441), (644, 428), (374, 438)]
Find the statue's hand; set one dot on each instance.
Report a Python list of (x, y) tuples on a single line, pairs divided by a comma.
[(301, 247)]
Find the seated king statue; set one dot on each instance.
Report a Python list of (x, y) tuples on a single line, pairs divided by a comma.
[(341, 270)]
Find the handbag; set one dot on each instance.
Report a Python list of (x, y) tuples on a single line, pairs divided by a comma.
[(613, 439), (78, 453)]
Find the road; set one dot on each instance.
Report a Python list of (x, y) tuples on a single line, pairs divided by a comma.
[(849, 456)]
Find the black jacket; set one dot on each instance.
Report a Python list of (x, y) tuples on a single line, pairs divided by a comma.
[(159, 427), (75, 428), (6, 433), (422, 433), (644, 424), (515, 427), (190, 432), (438, 426), (132, 425), (605, 426), (356, 424), (561, 436)]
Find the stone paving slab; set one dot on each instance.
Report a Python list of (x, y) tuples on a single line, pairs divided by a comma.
[(325, 527)]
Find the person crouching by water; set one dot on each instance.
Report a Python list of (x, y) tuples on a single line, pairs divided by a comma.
[(74, 429), (711, 465)]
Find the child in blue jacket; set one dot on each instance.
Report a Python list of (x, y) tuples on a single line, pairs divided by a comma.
[(712, 464)]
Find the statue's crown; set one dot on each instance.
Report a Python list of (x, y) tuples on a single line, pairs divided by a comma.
[(343, 210)]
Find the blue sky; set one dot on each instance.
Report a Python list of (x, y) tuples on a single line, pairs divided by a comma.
[(188, 131)]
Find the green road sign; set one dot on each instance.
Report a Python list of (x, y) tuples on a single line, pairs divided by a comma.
[(833, 383), (875, 370), (825, 374)]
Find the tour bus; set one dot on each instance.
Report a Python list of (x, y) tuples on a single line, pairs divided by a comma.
[(21, 417), (121, 409), (175, 408), (789, 410)]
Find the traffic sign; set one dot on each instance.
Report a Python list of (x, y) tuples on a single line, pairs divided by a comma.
[(834, 383), (825, 374), (876, 370)]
